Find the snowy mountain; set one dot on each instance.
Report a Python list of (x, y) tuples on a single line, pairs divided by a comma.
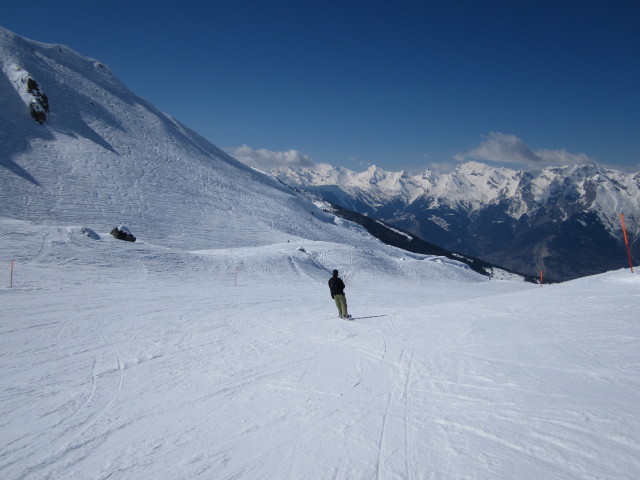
[(210, 347), (80, 149), (100, 156), (564, 220)]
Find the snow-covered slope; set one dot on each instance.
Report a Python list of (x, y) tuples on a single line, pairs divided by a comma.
[(95, 156), (137, 361), (105, 157)]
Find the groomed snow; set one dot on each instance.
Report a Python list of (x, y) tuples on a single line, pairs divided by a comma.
[(135, 361)]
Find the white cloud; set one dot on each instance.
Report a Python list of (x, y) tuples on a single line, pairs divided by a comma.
[(440, 168), (267, 160), (562, 157), (503, 148)]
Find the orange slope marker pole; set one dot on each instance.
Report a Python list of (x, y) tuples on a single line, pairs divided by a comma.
[(626, 241)]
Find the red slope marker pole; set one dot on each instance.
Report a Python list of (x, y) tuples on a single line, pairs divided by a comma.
[(11, 276), (626, 241), (540, 277)]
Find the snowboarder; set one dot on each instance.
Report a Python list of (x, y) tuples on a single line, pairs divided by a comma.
[(336, 286)]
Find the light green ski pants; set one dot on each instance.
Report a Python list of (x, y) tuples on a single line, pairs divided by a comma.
[(341, 303)]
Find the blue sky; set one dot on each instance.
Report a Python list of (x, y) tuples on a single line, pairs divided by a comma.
[(399, 84)]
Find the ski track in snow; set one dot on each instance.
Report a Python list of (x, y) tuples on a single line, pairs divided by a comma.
[(158, 377), (125, 365)]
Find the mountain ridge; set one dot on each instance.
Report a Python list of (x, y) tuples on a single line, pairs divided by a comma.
[(110, 155), (525, 220)]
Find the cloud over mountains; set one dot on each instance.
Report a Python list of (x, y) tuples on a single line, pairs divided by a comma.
[(502, 148), (496, 147), (267, 160)]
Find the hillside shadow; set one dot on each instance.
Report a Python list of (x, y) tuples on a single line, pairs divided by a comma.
[(17, 134), (69, 110), (18, 170), (19, 129)]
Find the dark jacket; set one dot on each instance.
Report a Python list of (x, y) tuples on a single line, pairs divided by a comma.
[(336, 285)]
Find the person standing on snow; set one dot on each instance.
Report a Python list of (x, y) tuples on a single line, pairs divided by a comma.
[(336, 286)]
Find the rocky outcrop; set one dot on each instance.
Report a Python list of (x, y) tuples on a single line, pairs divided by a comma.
[(29, 90), (39, 104), (123, 233)]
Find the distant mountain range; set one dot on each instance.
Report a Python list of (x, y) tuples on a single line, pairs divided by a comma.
[(562, 220)]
